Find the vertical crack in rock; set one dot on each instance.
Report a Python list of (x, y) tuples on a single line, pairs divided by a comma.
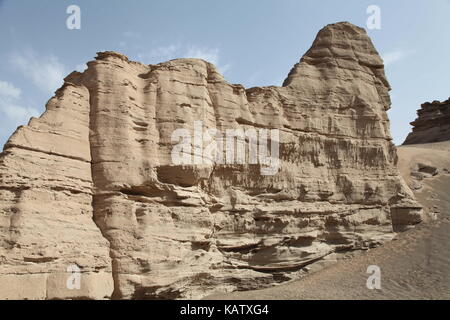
[(46, 227), (188, 230)]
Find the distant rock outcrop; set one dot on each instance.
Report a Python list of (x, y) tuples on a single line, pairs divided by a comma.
[(432, 123), (91, 184)]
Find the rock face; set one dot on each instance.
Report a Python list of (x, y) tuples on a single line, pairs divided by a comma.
[(432, 123), (94, 177), (46, 194)]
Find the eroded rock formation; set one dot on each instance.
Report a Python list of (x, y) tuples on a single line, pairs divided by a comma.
[(432, 123), (93, 178)]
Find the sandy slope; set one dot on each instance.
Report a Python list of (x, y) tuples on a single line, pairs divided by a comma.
[(414, 266)]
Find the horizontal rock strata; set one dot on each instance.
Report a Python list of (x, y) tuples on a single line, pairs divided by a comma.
[(432, 123), (46, 195), (93, 179)]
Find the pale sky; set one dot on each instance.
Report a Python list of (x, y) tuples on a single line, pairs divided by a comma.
[(253, 42)]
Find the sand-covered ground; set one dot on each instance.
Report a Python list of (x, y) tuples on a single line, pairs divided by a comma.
[(416, 265)]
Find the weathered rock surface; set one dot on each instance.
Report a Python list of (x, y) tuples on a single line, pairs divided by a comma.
[(102, 152), (432, 123), (46, 195), (413, 267)]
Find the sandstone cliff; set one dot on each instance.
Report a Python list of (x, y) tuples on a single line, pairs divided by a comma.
[(416, 264), (432, 123), (92, 182)]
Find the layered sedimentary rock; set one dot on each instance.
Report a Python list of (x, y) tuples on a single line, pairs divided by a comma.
[(103, 152), (46, 193), (432, 123)]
